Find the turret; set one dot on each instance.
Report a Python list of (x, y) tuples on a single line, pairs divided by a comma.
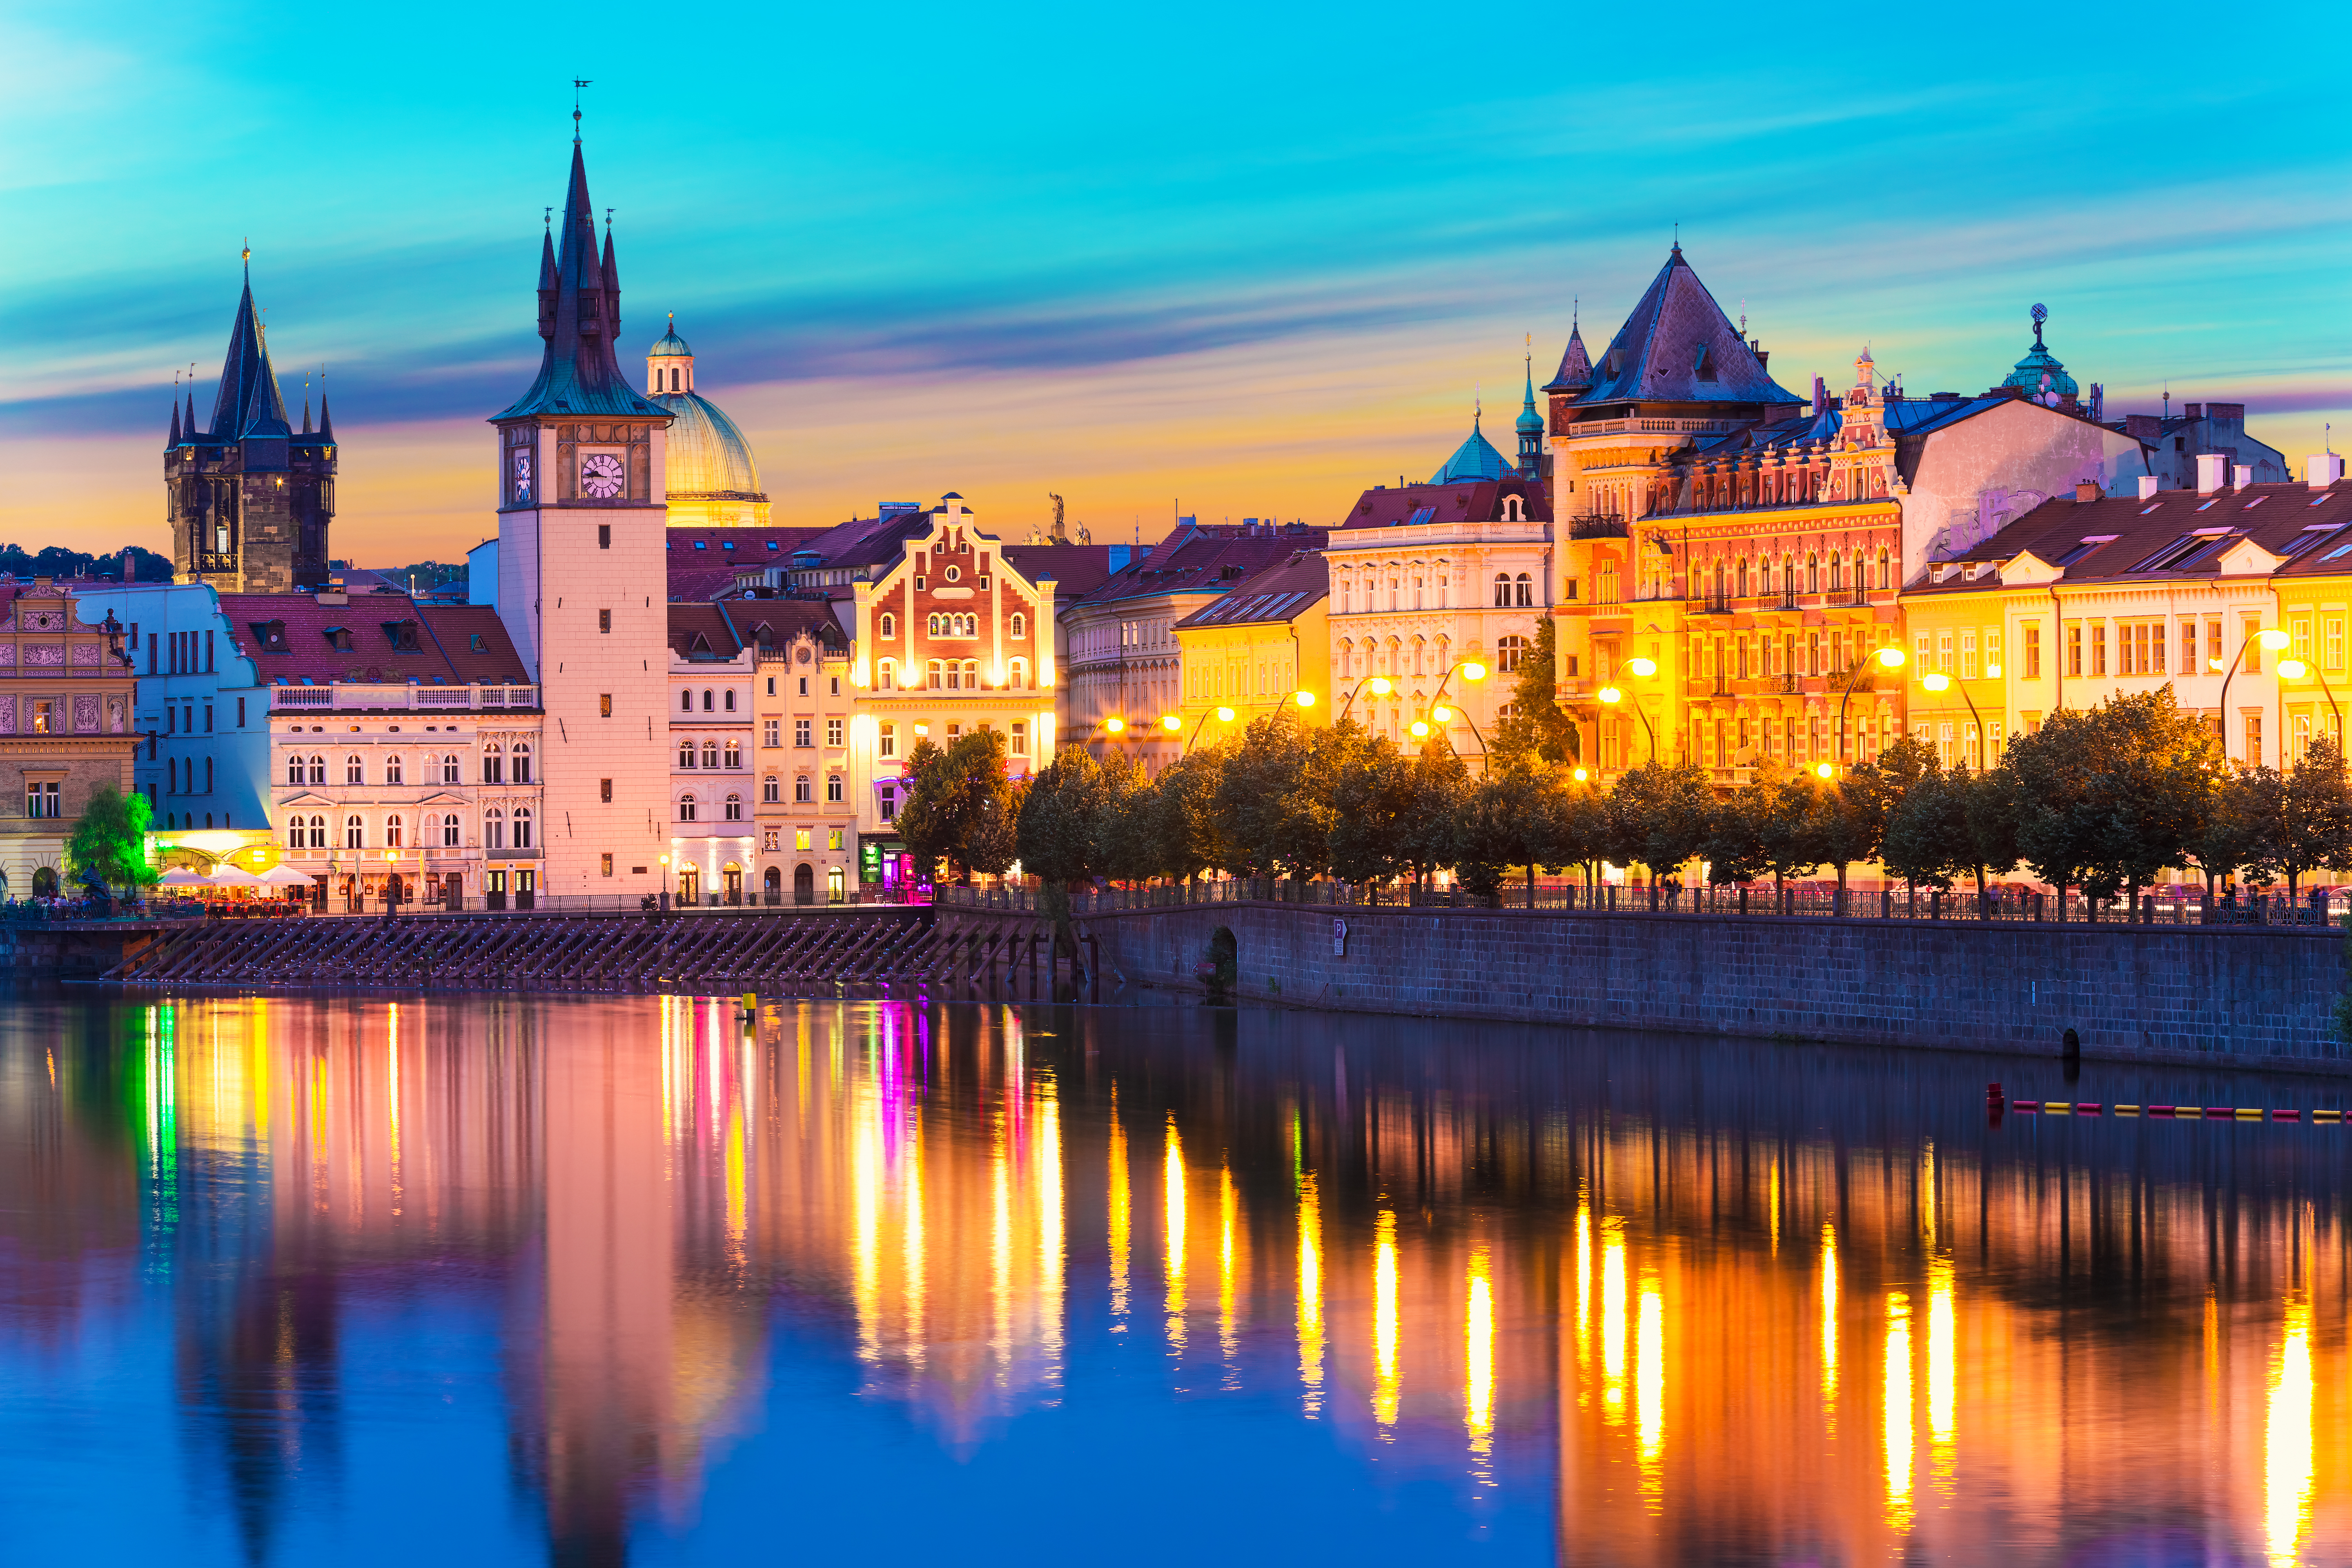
[(1531, 429)]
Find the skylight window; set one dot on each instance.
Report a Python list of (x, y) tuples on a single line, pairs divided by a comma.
[(2255, 502), (2310, 539), (2169, 554), (2319, 500), (2343, 549), (2084, 549), (2145, 510)]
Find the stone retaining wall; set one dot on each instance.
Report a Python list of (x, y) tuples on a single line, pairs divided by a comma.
[(2219, 994)]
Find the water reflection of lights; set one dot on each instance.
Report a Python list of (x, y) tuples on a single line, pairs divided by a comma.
[(1899, 1412), (1612, 1320), (1943, 1371), (1384, 1323), (2288, 1462), (1478, 1395), (1829, 1324), (1310, 1291), (1122, 1219), (1649, 1393), (1227, 1209), (1173, 1183), (1583, 1293)]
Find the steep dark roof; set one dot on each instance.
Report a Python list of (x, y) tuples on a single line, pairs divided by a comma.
[(703, 562), (867, 541), (702, 631), (580, 317), (785, 619), (1575, 365), (445, 651), (1387, 507), (249, 403), (1275, 594), (1677, 346), (2172, 535)]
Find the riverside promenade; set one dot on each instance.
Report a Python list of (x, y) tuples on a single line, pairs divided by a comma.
[(2235, 994)]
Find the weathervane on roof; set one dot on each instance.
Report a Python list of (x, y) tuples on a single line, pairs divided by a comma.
[(577, 83), (2041, 314), (247, 255)]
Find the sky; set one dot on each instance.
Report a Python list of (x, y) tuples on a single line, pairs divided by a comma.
[(1228, 260)]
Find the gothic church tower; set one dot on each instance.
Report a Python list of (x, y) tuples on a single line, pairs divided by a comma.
[(250, 499), (582, 509)]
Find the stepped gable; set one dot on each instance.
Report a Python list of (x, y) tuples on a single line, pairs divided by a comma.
[(1677, 346)]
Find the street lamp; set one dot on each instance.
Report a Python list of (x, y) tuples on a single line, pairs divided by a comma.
[(1938, 681), (2272, 639), (1381, 687), (1612, 696), (1888, 658), (2295, 669), (1304, 698), (1114, 724), (664, 860), (1172, 722), (1471, 670), (1221, 715)]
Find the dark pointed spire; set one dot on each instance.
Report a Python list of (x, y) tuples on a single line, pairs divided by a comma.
[(249, 403), (326, 420), (612, 282), (191, 426), (547, 280), (305, 405), (175, 418), (580, 373)]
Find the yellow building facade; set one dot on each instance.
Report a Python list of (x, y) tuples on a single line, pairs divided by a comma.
[(1259, 648)]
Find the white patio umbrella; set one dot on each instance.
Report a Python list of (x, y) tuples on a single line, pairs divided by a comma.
[(286, 877), (228, 876), (181, 876)]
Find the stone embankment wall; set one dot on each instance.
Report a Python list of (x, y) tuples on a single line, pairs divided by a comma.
[(2191, 994)]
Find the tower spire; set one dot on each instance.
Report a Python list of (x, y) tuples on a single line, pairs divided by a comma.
[(249, 403), (175, 408), (579, 309)]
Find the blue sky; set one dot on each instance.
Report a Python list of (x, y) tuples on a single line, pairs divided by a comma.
[(1239, 260)]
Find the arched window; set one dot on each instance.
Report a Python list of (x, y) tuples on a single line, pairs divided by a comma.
[(294, 770), (833, 788), (1527, 588), (494, 829), (800, 789), (686, 701), (318, 833), (449, 774), (1020, 627), (392, 769), (1502, 590), (1885, 571), (1017, 675), (522, 827), (1789, 577), (972, 674), (734, 753), (294, 839), (686, 752), (392, 839), (932, 625), (354, 770), (686, 809), (729, 703), (1514, 510), (1813, 573), (734, 804), (494, 763), (318, 770), (354, 833), (890, 624), (886, 678), (1837, 572), (449, 831), (710, 753)]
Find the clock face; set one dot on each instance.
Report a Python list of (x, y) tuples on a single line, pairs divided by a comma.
[(601, 475)]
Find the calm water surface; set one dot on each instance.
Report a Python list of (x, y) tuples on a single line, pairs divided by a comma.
[(585, 1280)]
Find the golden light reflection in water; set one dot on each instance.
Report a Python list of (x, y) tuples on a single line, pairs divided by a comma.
[(1172, 1184), (1943, 1373), (1122, 1219), (1583, 1292), (1479, 1390), (2288, 1460), (392, 1103), (1227, 1211), (1612, 1320), (1385, 1383), (1310, 1291), (1899, 1412), (1649, 1393), (1829, 1324)]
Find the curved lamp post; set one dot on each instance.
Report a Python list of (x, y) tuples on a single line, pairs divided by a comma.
[(1170, 721), (1381, 686), (1938, 681), (2272, 639), (2295, 669), (1888, 658), (1612, 695), (1470, 670)]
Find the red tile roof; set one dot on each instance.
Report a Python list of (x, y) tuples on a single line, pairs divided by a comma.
[(1201, 561), (443, 652), (2172, 535), (1482, 502), (1278, 593)]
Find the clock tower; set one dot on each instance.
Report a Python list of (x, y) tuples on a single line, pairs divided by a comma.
[(581, 518)]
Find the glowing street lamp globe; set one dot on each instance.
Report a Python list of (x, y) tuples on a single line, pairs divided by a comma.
[(1892, 657), (1380, 686), (2294, 668), (1441, 713), (1305, 699), (1172, 722), (1937, 682), (1224, 715), (1419, 730), (1644, 668), (1116, 725), (1610, 695), (1825, 770), (1581, 775), (2272, 639), (1473, 670)]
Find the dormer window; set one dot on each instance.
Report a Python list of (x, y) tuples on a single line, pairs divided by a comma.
[(340, 638), (401, 635), (476, 643), (271, 636), (1702, 366)]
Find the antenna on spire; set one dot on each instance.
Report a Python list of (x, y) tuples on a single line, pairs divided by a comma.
[(1743, 315), (608, 219), (577, 83), (547, 216), (247, 256)]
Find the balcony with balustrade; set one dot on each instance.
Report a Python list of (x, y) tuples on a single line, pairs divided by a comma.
[(390, 696)]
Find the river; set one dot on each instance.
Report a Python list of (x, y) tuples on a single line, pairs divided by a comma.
[(585, 1280)]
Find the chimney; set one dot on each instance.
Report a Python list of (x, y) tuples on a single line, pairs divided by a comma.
[(2212, 468), (2192, 411), (2148, 485), (2086, 489), (2241, 476), (2322, 470), (1821, 396)]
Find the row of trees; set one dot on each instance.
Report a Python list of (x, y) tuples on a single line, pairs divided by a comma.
[(2102, 800)]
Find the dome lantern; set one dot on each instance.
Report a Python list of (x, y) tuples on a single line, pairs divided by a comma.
[(669, 363)]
